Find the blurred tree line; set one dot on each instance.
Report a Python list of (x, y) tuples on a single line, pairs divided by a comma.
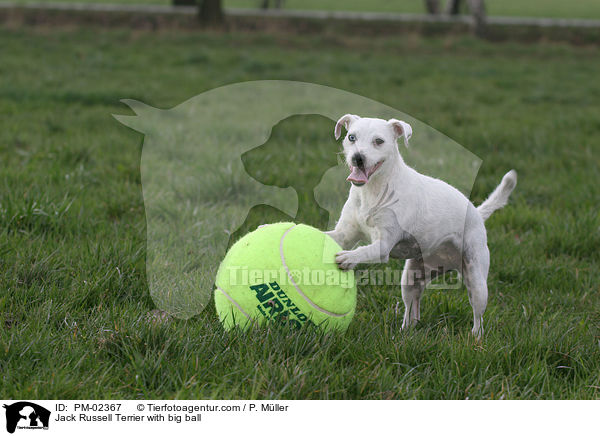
[(453, 7), (211, 11)]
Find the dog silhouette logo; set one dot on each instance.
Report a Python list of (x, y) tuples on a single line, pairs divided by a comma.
[(223, 162), (26, 415)]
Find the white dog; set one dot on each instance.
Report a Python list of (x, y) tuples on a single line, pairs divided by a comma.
[(407, 215)]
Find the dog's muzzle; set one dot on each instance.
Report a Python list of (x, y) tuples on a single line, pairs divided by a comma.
[(360, 174)]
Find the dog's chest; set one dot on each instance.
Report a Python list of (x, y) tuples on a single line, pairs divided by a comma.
[(368, 218), (369, 232)]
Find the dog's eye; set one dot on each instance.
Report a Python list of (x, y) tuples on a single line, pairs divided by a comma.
[(351, 138), (379, 141)]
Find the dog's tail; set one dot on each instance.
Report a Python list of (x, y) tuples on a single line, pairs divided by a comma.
[(499, 197)]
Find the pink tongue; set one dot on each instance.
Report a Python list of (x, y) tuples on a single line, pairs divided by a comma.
[(357, 175)]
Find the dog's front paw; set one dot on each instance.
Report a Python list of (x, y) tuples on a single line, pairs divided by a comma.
[(347, 260)]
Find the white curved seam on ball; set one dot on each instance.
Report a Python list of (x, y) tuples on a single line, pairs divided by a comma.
[(235, 303), (302, 294)]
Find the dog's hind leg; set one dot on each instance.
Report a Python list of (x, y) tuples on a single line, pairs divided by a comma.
[(413, 284), (475, 272)]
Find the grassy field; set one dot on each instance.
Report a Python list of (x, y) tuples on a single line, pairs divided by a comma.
[(73, 292), (537, 8)]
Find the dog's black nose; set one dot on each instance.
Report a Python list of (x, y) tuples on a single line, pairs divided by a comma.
[(358, 160)]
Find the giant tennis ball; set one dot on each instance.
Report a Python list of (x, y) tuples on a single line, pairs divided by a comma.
[(284, 273)]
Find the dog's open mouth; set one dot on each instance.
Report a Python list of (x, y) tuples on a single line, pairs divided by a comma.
[(360, 175)]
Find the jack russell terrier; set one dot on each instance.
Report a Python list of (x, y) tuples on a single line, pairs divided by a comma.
[(408, 215)]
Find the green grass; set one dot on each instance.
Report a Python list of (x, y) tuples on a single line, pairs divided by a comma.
[(73, 291), (537, 8)]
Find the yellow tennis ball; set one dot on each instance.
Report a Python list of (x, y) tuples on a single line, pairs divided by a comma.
[(284, 273)]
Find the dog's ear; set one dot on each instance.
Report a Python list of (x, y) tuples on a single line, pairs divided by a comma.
[(401, 129), (344, 121)]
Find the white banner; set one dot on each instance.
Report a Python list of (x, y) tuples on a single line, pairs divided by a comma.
[(262, 418)]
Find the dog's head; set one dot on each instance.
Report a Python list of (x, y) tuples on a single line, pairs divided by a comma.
[(370, 145)]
